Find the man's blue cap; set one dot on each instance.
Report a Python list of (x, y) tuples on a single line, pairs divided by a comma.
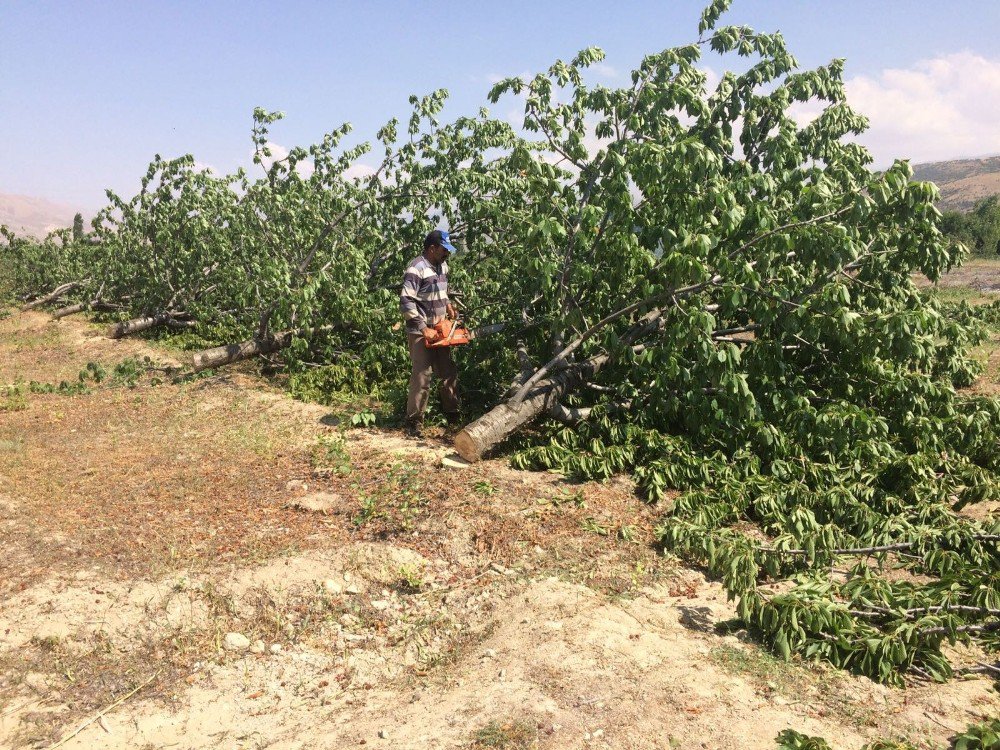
[(439, 237)]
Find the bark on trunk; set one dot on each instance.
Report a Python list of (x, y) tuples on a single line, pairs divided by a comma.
[(499, 423), (55, 294), (544, 396), (227, 355), (569, 414), (230, 353), (62, 312), (137, 325)]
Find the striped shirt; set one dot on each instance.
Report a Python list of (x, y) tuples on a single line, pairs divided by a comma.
[(424, 299)]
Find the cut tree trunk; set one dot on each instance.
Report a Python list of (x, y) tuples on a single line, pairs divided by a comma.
[(544, 396), (499, 423), (230, 353), (62, 312), (137, 325), (569, 414), (52, 296)]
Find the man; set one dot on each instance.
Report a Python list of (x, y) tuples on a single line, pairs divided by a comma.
[(424, 303)]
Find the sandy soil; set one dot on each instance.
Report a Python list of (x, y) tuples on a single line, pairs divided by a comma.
[(210, 564)]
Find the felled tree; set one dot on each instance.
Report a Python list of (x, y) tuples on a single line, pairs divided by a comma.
[(726, 298), (707, 247), (41, 272), (311, 243), (159, 255), (322, 250), (715, 293)]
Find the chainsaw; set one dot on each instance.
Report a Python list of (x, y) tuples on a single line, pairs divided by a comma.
[(448, 333)]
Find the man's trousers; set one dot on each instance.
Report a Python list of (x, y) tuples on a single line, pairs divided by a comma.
[(426, 361)]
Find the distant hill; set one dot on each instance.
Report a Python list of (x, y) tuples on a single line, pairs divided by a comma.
[(962, 182), (34, 216)]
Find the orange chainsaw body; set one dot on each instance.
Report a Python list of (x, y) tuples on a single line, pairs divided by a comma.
[(449, 333)]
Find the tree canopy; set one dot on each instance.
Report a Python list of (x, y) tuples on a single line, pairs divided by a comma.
[(979, 229)]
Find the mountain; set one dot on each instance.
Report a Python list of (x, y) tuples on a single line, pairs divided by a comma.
[(34, 216), (962, 182)]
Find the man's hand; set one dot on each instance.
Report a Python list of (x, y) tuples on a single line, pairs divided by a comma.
[(452, 315), (430, 334)]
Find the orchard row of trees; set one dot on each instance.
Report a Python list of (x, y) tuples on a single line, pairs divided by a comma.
[(715, 296), (979, 229)]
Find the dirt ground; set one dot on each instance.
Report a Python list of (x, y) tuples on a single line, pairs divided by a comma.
[(977, 277), (209, 564), (977, 282)]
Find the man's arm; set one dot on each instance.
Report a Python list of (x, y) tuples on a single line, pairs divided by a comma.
[(408, 299)]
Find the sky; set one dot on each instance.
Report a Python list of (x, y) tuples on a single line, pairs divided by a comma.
[(89, 92)]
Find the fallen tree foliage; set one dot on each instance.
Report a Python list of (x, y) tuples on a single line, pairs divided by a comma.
[(744, 280)]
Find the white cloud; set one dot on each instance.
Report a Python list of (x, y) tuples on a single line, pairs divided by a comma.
[(712, 78), (946, 107), (515, 117), (278, 152), (203, 167), (604, 70), (359, 170), (303, 168)]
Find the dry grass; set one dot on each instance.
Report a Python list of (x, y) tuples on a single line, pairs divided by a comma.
[(796, 680), (139, 483), (142, 481), (510, 734), (189, 486), (989, 354), (80, 680), (438, 513), (979, 276)]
